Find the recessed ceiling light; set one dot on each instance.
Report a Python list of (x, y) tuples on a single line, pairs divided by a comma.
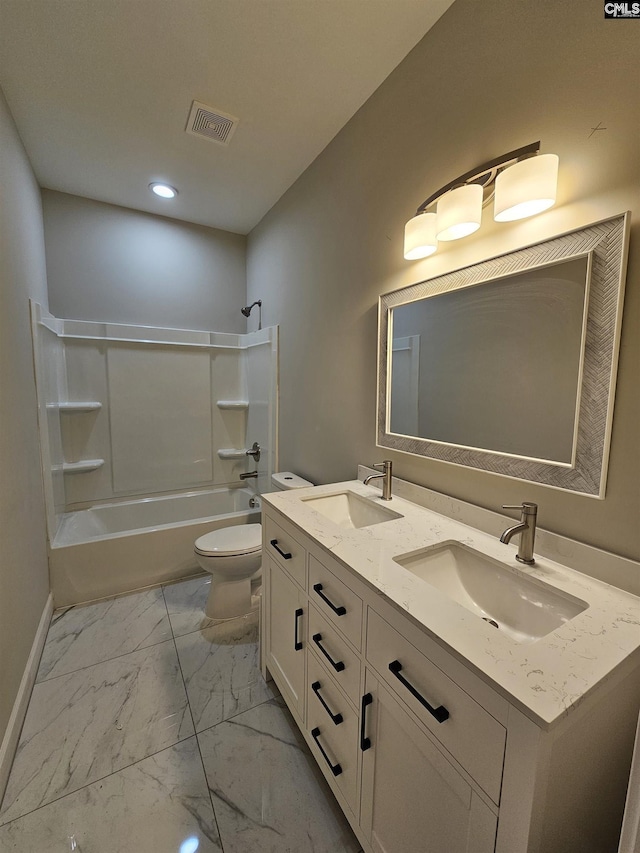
[(163, 190)]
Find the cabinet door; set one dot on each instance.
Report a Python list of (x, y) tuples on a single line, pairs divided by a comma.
[(285, 635), (413, 799)]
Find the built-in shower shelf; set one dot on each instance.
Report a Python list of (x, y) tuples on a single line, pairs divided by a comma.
[(231, 453), (74, 408), (233, 404), (82, 467)]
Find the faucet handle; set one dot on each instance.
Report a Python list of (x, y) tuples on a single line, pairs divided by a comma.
[(526, 507), (386, 464)]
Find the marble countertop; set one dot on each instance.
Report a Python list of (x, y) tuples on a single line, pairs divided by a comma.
[(546, 679)]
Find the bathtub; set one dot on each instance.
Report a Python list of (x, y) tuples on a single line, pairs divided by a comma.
[(123, 546)]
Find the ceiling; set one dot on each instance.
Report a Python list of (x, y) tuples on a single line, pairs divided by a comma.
[(101, 90)]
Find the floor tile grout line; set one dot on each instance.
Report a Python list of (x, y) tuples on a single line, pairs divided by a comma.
[(206, 780), (106, 660), (93, 781), (272, 699), (173, 636), (195, 734)]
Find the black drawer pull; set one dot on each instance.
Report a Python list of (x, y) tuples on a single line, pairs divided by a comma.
[(336, 719), (339, 611), (338, 665), (274, 542), (335, 768), (365, 742), (440, 713), (297, 645)]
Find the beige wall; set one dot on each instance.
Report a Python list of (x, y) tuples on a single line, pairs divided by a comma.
[(113, 264), (488, 78), (24, 578)]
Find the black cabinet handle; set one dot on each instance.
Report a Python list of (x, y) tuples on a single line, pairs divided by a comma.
[(297, 645), (336, 719), (335, 768), (440, 713), (339, 611), (365, 742), (274, 542), (338, 665)]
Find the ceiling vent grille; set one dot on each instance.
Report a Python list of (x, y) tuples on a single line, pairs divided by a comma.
[(210, 123)]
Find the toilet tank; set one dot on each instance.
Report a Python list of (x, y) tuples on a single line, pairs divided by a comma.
[(283, 480)]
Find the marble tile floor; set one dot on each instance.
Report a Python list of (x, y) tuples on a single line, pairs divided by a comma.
[(151, 729)]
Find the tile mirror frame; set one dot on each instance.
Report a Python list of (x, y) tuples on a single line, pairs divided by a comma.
[(605, 245)]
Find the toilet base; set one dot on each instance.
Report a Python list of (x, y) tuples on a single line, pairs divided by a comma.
[(228, 599)]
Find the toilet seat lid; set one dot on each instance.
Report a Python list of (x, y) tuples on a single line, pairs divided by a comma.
[(231, 541)]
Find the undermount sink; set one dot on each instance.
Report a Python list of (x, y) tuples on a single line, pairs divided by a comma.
[(347, 509), (524, 609)]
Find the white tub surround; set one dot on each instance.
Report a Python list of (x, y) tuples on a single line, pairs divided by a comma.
[(456, 735), (143, 411), (130, 414)]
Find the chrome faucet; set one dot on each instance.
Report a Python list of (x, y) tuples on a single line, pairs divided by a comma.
[(252, 475), (255, 451), (385, 477), (526, 529)]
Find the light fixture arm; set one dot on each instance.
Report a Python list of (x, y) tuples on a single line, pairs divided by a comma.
[(488, 170)]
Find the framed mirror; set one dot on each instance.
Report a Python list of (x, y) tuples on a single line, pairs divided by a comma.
[(509, 365)]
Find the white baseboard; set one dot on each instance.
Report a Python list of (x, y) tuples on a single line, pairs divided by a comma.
[(14, 726)]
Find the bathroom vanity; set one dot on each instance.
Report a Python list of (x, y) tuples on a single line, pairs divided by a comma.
[(435, 729)]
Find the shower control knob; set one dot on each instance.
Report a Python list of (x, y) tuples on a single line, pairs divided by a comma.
[(255, 451)]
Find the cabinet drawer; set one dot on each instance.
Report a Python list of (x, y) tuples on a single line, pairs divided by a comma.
[(338, 740), (337, 603), (336, 654), (469, 733), (286, 550)]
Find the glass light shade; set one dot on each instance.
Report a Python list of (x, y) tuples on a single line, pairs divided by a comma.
[(459, 212), (420, 236), (526, 188)]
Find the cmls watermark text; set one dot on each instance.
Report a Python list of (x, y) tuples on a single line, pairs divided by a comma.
[(622, 10)]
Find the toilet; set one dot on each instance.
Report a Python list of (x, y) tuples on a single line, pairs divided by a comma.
[(233, 557)]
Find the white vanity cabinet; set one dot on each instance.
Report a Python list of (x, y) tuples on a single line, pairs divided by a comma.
[(285, 640), (332, 723), (420, 749), (400, 788), (413, 798), (285, 622)]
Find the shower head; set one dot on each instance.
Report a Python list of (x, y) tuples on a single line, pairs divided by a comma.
[(247, 310)]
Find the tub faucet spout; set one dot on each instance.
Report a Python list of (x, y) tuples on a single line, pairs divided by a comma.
[(252, 475)]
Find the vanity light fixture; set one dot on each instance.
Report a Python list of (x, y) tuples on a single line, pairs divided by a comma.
[(526, 188), (420, 236), (163, 190), (523, 182), (459, 212)]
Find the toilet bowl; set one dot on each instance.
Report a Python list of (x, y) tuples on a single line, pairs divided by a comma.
[(233, 557)]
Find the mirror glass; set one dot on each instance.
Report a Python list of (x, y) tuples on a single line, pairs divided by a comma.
[(493, 366), (509, 365)]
